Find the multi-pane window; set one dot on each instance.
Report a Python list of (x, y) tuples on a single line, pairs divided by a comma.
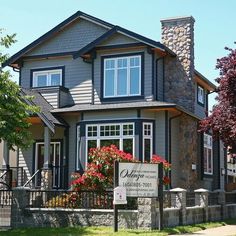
[(119, 134), (208, 154), (147, 141), (200, 94), (47, 78), (122, 76)]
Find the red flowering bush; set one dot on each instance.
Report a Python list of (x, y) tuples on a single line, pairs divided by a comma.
[(158, 159), (99, 173)]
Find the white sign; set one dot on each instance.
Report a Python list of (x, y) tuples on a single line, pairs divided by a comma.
[(119, 196), (139, 179)]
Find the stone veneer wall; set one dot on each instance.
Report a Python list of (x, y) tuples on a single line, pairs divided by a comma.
[(188, 153), (178, 35)]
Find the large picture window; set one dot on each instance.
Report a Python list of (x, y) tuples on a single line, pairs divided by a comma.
[(119, 134), (122, 76), (208, 154), (44, 78)]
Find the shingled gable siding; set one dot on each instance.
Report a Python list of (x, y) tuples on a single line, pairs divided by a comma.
[(148, 96), (77, 77), (118, 39), (72, 38)]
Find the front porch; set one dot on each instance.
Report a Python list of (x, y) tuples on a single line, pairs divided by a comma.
[(44, 165)]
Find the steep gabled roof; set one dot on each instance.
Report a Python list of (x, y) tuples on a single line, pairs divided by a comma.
[(118, 29), (45, 113), (111, 30)]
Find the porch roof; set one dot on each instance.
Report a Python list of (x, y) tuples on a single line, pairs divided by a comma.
[(124, 105), (45, 109)]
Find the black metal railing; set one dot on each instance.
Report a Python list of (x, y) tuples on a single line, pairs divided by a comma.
[(70, 199), (5, 198), (73, 199), (190, 199), (34, 180), (230, 197), (213, 198)]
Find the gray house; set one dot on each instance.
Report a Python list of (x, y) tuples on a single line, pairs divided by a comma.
[(99, 84)]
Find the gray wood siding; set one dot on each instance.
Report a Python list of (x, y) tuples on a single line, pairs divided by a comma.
[(72, 38), (77, 77), (160, 79), (118, 39), (52, 98), (72, 152), (64, 99), (148, 96), (160, 135), (199, 110), (110, 115)]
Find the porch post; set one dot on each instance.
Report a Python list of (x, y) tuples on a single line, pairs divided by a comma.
[(46, 172), (5, 161)]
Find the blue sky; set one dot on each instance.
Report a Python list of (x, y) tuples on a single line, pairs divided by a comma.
[(214, 21)]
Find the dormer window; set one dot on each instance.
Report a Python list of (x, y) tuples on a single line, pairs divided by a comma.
[(200, 95), (122, 76), (47, 77)]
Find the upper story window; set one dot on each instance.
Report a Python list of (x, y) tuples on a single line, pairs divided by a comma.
[(208, 154), (200, 95), (122, 76), (44, 78)]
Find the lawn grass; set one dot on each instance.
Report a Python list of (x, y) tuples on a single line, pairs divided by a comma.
[(106, 231)]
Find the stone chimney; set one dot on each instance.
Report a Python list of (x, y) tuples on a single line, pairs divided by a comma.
[(178, 35)]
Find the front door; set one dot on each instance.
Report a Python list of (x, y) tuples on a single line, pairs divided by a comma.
[(54, 162)]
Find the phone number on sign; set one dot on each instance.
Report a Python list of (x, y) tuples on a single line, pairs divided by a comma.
[(139, 185)]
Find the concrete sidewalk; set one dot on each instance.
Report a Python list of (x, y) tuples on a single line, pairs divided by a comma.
[(227, 230)]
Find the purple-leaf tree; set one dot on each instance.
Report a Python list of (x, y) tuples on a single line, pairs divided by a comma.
[(222, 120)]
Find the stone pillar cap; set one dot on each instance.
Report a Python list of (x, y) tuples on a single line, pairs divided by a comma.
[(178, 190), (201, 190)]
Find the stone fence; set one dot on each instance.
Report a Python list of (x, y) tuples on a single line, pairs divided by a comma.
[(146, 216)]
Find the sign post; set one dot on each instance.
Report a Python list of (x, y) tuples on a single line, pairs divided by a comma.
[(115, 207), (160, 191)]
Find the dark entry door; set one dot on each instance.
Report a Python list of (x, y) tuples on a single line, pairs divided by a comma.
[(54, 162)]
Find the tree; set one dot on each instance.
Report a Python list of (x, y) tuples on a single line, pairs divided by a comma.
[(222, 120), (14, 112)]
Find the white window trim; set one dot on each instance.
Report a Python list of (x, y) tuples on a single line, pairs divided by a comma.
[(148, 137), (128, 76), (98, 138), (48, 73), (200, 94), (208, 146)]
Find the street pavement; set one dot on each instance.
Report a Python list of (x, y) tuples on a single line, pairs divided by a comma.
[(227, 230)]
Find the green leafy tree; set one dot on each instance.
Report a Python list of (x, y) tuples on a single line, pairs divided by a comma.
[(14, 112)]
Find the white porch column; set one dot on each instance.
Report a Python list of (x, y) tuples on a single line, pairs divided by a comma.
[(5, 161), (46, 173), (47, 141)]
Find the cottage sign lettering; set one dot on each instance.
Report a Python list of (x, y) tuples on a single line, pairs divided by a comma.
[(140, 180)]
